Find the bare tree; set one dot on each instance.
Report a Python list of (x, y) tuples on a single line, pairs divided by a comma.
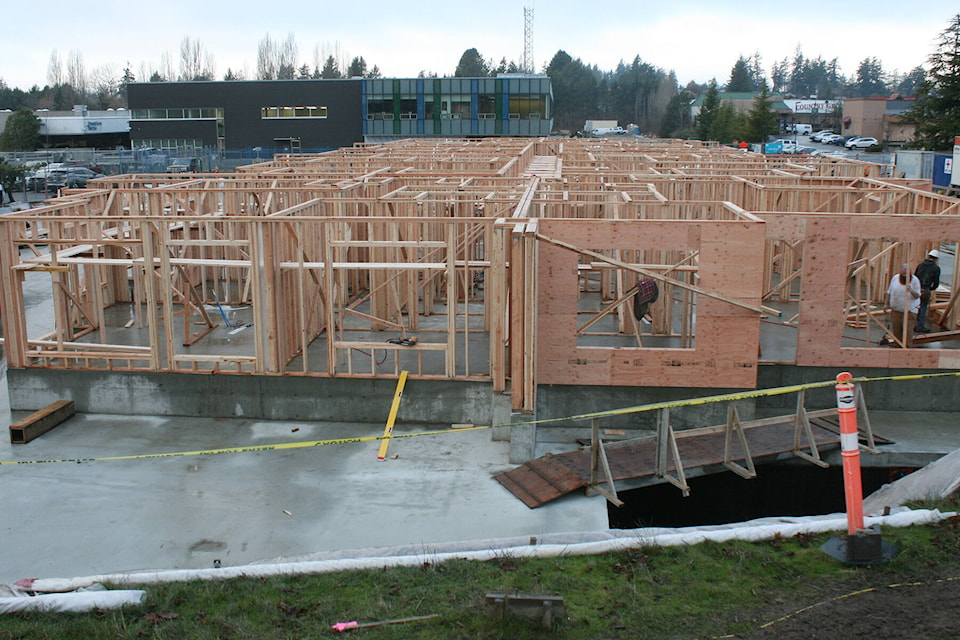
[(287, 59), (317, 61), (77, 74), (329, 50), (267, 62), (106, 82), (147, 71), (166, 68), (196, 63), (55, 70)]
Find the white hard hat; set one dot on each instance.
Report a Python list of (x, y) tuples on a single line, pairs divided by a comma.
[(934, 254)]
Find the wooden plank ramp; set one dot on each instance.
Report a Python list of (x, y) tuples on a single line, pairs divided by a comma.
[(554, 475)]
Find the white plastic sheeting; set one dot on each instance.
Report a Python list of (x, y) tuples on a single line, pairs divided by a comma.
[(545, 547), (938, 479), (14, 599)]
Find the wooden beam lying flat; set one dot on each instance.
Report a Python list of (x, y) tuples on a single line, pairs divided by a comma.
[(39, 422)]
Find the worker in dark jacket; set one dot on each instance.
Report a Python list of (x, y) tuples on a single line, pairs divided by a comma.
[(928, 272)]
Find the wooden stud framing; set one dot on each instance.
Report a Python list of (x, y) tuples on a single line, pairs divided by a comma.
[(328, 256)]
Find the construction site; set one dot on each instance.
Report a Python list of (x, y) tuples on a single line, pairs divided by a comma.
[(498, 279)]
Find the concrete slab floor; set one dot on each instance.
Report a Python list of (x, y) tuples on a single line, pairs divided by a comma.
[(74, 519)]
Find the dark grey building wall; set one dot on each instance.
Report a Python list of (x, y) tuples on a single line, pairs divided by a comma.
[(242, 100)]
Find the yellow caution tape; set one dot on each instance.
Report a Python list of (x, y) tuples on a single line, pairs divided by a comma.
[(726, 397), (264, 447)]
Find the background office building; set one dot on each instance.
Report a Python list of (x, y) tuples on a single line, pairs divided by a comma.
[(314, 115)]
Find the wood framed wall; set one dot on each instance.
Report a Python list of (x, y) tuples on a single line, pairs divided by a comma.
[(505, 260), (724, 351)]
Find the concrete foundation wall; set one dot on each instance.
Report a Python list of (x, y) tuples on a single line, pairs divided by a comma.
[(559, 401), (259, 397), (442, 401), (927, 394)]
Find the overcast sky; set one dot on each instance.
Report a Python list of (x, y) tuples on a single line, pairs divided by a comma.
[(698, 39)]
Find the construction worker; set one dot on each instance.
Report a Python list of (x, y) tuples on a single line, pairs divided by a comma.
[(928, 272), (903, 302)]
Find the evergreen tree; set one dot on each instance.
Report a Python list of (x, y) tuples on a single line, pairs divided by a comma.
[(125, 81), (62, 98), (740, 81), (21, 133), (936, 112), (472, 65), (798, 82), (907, 84), (357, 68), (761, 120), (870, 79), (708, 112), (574, 91), (14, 99), (727, 126), (694, 89), (330, 69), (637, 94), (780, 74), (676, 120), (755, 67)]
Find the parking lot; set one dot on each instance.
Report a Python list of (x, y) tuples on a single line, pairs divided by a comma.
[(884, 157)]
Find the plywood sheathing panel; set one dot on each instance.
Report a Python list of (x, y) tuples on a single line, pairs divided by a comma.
[(727, 342), (826, 263)]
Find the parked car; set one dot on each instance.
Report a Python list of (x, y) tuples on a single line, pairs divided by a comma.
[(184, 165), (72, 177), (817, 137), (618, 131), (806, 150), (829, 154), (833, 138), (37, 179), (861, 143)]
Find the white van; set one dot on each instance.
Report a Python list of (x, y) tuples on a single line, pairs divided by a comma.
[(788, 146), (803, 129)]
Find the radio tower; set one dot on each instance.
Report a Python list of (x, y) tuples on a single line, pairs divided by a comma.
[(528, 39)]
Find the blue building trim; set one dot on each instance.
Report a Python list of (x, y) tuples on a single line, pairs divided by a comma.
[(474, 106)]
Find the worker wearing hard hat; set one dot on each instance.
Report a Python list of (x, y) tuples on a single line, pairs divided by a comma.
[(928, 272)]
